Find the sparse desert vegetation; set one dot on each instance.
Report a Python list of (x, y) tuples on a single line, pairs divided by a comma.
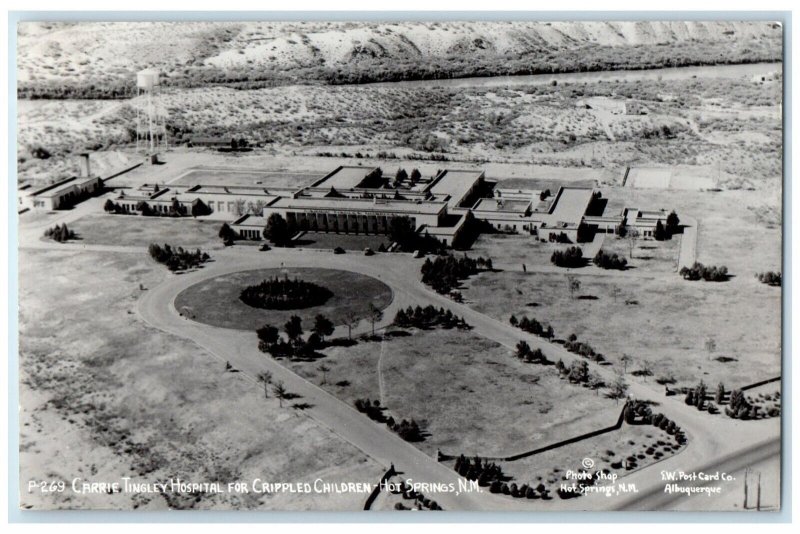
[(77, 419)]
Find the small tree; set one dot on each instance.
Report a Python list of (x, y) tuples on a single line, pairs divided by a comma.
[(350, 319), (660, 233), (574, 285), (646, 370), (615, 292), (294, 328), (720, 395), (265, 378), (632, 237), (280, 391), (322, 326), (619, 388), (673, 223), (523, 349), (276, 230), (375, 315), (625, 360), (710, 346), (268, 334), (226, 233), (322, 368)]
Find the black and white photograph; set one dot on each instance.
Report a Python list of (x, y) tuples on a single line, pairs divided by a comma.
[(399, 264)]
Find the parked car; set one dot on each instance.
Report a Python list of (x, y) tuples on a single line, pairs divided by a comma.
[(265, 247), (338, 250), (368, 252)]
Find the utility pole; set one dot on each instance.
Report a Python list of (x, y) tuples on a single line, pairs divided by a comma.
[(746, 473), (758, 493)]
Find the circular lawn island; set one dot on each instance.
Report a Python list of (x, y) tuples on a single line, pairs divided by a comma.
[(247, 300)]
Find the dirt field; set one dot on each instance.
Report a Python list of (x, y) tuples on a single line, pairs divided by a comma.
[(135, 230), (109, 397), (452, 383), (216, 301)]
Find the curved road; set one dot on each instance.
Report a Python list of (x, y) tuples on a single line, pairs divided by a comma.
[(710, 440), (709, 437)]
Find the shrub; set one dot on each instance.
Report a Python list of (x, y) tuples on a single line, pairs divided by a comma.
[(177, 259), (571, 257), (609, 261), (59, 233), (710, 273), (770, 278)]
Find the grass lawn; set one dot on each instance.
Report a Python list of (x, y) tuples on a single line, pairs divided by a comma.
[(469, 393), (128, 400), (673, 318), (515, 249), (216, 301), (134, 230), (649, 255), (667, 328), (352, 242)]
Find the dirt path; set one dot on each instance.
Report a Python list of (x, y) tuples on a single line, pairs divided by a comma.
[(709, 436)]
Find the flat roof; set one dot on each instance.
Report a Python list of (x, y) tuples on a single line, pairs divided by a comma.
[(502, 205), (345, 177), (571, 204), (455, 184), (229, 190), (251, 220), (358, 204)]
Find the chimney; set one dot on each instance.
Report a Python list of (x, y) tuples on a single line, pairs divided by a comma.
[(86, 171)]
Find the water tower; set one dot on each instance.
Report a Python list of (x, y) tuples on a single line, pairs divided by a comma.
[(151, 132)]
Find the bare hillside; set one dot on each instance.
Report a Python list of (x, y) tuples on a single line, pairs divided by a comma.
[(98, 59)]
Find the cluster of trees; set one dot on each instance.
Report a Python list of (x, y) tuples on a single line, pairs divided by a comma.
[(740, 407), (571, 257), (177, 259), (524, 352), (445, 273), (697, 396), (371, 409), (583, 349), (532, 326), (408, 430), (609, 261), (641, 411), (770, 278), (525, 491), (559, 238), (59, 233), (578, 373), (402, 176), (483, 471), (284, 294), (662, 232), (422, 502), (710, 273), (270, 340), (428, 317)]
